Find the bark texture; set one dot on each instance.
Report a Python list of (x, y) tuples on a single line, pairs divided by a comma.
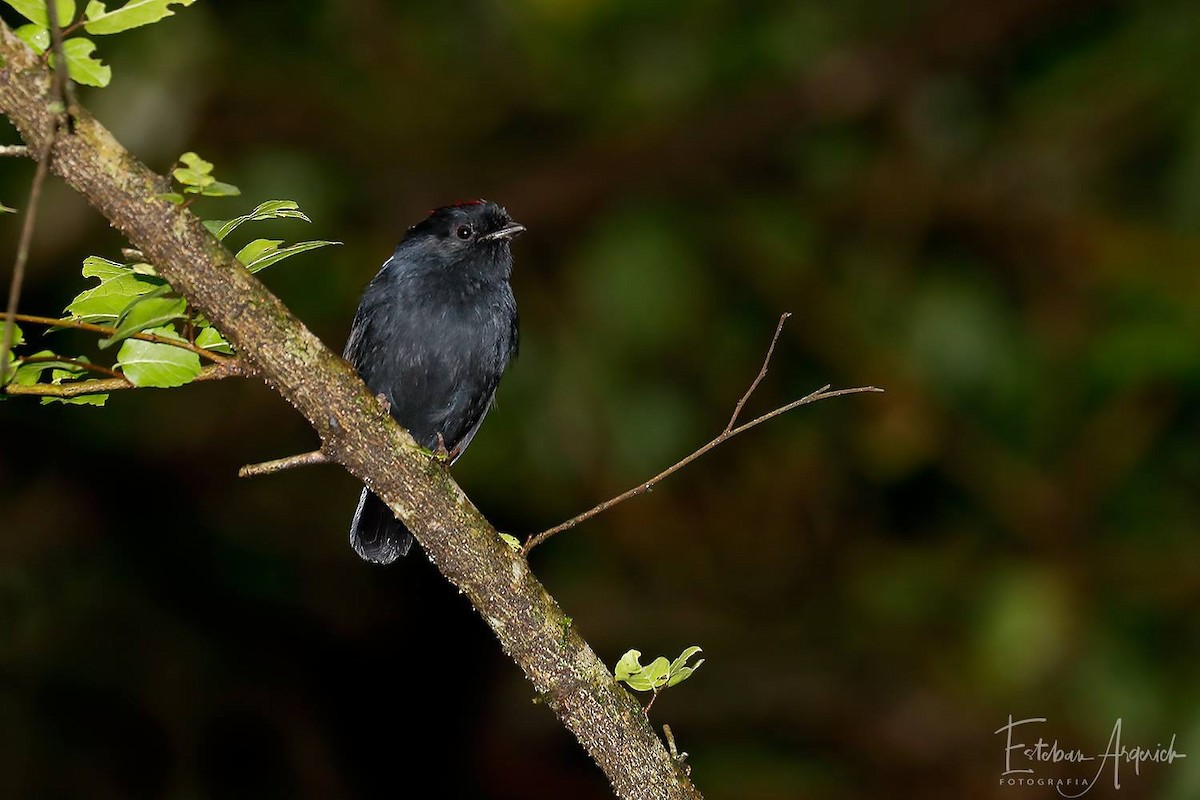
[(531, 627)]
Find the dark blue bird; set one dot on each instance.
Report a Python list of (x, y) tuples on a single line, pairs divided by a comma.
[(434, 331)]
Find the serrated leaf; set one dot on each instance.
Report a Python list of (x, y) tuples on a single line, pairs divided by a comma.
[(119, 286), (145, 313), (34, 35), (266, 252), (211, 339), (133, 14), (81, 66), (153, 364), (35, 11), (270, 209), (80, 400)]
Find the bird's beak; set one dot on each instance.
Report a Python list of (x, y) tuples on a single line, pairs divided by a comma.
[(507, 232)]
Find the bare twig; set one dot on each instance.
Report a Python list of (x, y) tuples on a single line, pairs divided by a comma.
[(35, 192), (51, 322), (730, 431), (15, 151), (104, 385), (761, 373), (280, 464), (64, 89)]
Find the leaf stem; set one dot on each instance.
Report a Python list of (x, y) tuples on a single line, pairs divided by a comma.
[(51, 322)]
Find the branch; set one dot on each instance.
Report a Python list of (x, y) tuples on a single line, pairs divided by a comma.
[(51, 322), (229, 369), (280, 464), (531, 627), (14, 151), (730, 431), (761, 373), (820, 394), (35, 194)]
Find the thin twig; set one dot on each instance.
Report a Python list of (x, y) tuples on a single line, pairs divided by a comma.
[(280, 464), (216, 358), (64, 88), (15, 151), (103, 370), (761, 373), (35, 192), (104, 385), (823, 393)]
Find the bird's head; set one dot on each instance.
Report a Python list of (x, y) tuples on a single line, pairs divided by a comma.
[(471, 238)]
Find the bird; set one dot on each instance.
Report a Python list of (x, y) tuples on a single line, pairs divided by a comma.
[(433, 333)]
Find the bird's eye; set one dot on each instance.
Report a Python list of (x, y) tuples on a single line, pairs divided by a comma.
[(464, 232)]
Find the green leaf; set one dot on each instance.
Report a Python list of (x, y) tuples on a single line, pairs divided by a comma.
[(680, 662), (153, 364), (119, 286), (6, 210), (513, 542), (271, 209), (262, 253), (81, 66), (133, 14), (34, 35), (211, 339), (18, 335), (220, 189), (28, 374), (630, 664), (657, 671), (80, 400), (145, 313), (683, 673), (173, 197), (195, 170), (35, 11)]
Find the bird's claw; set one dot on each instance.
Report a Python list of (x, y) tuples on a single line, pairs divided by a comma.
[(441, 453), (385, 405)]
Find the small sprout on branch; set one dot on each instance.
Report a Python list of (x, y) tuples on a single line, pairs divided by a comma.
[(513, 542), (195, 175), (659, 674)]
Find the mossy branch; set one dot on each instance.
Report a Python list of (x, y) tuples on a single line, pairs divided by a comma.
[(528, 622)]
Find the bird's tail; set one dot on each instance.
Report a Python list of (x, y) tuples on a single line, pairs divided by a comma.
[(375, 534)]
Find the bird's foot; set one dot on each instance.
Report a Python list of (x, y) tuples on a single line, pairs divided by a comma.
[(385, 405), (441, 453)]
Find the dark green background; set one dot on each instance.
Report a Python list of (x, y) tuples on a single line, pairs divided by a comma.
[(991, 209)]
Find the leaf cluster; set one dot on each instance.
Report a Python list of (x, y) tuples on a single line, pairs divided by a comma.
[(97, 19), (659, 673), (161, 338)]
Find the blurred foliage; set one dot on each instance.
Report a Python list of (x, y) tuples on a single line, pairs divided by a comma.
[(992, 210)]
